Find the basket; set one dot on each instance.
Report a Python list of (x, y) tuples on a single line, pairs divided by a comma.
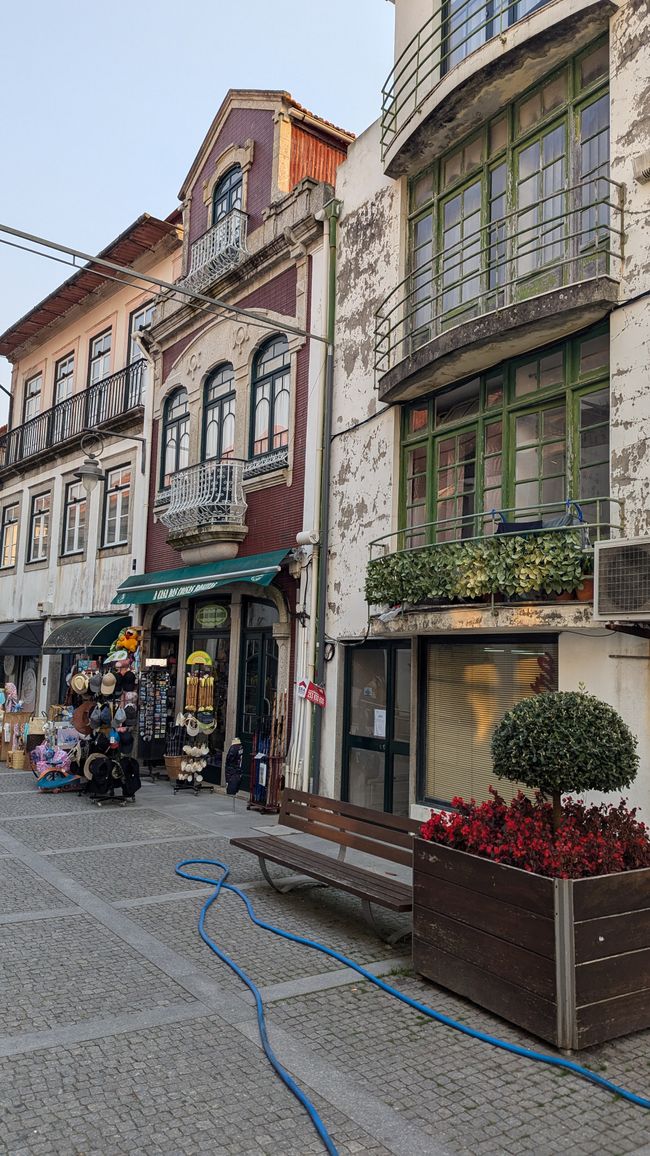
[(18, 760), (173, 766)]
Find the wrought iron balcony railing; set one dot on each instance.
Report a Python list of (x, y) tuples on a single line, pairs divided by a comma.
[(451, 34), (218, 250), (104, 402), (513, 553), (210, 493), (567, 237)]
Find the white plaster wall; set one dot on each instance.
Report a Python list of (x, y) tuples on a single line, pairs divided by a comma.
[(362, 460), (410, 16), (630, 325)]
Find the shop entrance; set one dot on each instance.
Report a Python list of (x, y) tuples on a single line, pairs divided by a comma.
[(164, 644), (258, 678), (377, 724), (210, 631)]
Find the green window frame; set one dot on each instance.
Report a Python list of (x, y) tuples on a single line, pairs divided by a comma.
[(496, 216), (539, 427)]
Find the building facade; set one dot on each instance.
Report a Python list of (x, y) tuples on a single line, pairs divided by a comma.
[(237, 403), (77, 366), (491, 374)]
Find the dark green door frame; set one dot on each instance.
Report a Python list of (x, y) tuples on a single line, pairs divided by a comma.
[(390, 746)]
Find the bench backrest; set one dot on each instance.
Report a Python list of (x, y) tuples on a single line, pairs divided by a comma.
[(375, 832)]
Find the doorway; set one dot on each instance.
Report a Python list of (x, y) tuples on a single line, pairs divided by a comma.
[(258, 678), (377, 722)]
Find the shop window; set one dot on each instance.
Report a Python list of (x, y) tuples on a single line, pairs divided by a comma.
[(469, 688), (520, 207), (117, 501), (219, 415), (9, 544), (261, 615), (270, 408), (175, 454), (74, 519), (527, 435), (39, 527)]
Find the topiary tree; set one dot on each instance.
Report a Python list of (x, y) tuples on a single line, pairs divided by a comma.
[(564, 741)]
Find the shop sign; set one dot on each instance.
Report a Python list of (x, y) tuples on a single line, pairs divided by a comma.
[(169, 592), (211, 617), (311, 692)]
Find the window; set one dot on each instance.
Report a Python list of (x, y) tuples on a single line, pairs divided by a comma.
[(518, 208), (99, 367), (63, 385), (33, 390), (270, 409), (219, 414), (117, 500), (39, 527), (469, 23), (138, 377), (175, 454), (530, 433), (227, 194), (469, 687), (9, 543), (74, 519)]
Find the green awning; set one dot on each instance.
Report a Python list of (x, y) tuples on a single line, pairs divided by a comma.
[(189, 581), (78, 635)]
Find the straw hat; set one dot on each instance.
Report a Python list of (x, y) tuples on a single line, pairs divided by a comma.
[(108, 683), (79, 682)]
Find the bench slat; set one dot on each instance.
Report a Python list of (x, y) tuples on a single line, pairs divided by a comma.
[(382, 819), (348, 839), (312, 816), (389, 893)]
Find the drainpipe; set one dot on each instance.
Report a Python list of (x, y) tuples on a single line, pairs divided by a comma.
[(330, 213)]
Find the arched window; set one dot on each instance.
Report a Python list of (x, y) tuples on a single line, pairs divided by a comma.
[(175, 436), (219, 414), (270, 409), (227, 194)]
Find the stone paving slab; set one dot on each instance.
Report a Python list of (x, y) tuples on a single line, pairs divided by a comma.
[(185, 1088), (471, 1097), (35, 804), (92, 826), (73, 970), (21, 890)]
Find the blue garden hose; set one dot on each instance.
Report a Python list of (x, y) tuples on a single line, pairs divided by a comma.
[(484, 1037)]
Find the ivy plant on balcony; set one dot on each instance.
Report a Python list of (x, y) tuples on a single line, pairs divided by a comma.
[(512, 565)]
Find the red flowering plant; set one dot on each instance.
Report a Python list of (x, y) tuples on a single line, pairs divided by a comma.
[(556, 743), (591, 840)]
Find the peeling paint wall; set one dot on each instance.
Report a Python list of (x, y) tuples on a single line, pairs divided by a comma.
[(363, 459)]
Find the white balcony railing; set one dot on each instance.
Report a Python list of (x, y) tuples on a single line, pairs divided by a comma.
[(218, 250), (208, 494)]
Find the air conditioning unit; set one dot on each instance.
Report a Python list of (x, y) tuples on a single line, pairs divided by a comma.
[(622, 580)]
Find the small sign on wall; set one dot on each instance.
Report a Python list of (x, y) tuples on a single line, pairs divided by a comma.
[(311, 692)]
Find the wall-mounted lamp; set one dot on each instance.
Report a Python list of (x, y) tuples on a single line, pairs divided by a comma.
[(90, 472)]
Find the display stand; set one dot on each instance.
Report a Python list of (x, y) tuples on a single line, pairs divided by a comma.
[(190, 742), (154, 697), (267, 760)]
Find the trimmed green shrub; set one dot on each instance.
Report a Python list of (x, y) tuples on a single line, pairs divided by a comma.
[(564, 741)]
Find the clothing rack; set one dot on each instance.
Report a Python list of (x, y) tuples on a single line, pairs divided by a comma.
[(267, 759)]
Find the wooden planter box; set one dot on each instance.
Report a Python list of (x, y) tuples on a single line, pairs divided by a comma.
[(566, 959)]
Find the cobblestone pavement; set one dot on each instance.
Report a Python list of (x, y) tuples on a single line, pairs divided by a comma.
[(121, 1033)]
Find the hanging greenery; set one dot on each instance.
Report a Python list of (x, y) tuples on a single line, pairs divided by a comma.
[(513, 565)]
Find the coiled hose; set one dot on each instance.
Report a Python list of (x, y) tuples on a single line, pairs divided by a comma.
[(516, 1049)]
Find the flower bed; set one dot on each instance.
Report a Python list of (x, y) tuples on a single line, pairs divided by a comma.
[(591, 840)]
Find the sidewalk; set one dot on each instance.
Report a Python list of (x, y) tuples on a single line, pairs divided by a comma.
[(122, 1033)]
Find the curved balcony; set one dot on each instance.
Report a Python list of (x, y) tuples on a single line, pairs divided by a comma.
[(206, 511), (217, 251), (469, 60), (534, 276)]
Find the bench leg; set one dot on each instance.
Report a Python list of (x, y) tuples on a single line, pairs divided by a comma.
[(290, 884), (369, 916)]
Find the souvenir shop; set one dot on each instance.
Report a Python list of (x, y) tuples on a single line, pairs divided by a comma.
[(225, 652)]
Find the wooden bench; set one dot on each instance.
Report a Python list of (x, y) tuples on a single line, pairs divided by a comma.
[(387, 837)]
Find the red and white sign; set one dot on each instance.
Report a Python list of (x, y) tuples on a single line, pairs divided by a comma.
[(311, 692)]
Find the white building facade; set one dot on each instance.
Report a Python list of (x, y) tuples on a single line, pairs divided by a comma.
[(491, 371)]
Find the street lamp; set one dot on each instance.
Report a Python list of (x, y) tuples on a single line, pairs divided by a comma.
[(90, 472)]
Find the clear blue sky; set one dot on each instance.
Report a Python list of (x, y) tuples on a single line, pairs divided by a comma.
[(105, 104)]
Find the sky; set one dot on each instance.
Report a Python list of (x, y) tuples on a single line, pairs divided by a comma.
[(105, 104)]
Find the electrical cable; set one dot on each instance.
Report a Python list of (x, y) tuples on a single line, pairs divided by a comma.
[(423, 1009)]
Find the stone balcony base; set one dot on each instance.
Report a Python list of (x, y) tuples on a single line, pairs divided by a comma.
[(208, 543)]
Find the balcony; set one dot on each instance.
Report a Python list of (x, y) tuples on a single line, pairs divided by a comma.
[(467, 61), (109, 401), (540, 553), (206, 511), (217, 251), (533, 276)]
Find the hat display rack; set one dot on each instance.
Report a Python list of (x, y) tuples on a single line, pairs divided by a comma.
[(187, 751), (268, 758)]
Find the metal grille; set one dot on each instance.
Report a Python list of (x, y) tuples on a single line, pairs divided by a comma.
[(622, 580), (206, 494), (218, 250)]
